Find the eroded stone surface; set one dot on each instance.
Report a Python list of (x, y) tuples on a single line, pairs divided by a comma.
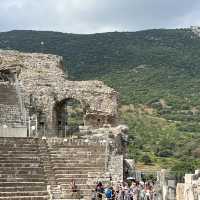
[(41, 77), (190, 189)]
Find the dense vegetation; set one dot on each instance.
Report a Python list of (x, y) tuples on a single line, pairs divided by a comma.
[(157, 73)]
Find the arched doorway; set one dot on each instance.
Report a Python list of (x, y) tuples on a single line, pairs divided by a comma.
[(68, 116)]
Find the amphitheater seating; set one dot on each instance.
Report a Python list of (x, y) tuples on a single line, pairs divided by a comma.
[(28, 166), (78, 160), (21, 171)]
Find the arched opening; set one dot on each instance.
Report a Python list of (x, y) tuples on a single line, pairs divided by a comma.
[(68, 116), (7, 76)]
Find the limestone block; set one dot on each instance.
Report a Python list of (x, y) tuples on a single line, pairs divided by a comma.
[(180, 191)]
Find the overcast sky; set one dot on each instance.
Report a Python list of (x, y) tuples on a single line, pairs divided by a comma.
[(89, 16)]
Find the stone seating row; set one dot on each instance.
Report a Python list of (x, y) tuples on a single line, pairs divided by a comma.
[(28, 167), (21, 170), (76, 160)]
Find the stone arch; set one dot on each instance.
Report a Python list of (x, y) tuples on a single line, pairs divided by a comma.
[(68, 115), (7, 75)]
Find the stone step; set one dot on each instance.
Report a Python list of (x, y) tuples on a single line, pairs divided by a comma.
[(19, 165), (79, 187), (23, 193), (61, 161), (22, 176), (67, 181), (68, 178), (23, 172), (81, 191), (22, 188), (80, 165), (84, 163), (11, 152), (18, 144), (77, 171), (88, 167), (71, 176), (69, 141), (19, 159), (29, 168), (77, 157), (28, 179), (24, 184), (75, 152), (65, 150), (13, 155), (25, 198), (18, 141), (72, 195), (30, 148), (75, 146), (15, 161)]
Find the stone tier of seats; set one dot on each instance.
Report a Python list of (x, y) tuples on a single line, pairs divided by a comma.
[(22, 174), (29, 166), (77, 160)]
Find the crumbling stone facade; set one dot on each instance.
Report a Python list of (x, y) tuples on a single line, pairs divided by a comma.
[(190, 189), (36, 87), (43, 85)]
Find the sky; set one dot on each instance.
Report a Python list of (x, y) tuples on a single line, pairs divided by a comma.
[(92, 16)]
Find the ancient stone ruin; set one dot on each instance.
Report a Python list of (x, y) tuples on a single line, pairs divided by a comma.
[(190, 189), (42, 90), (39, 153)]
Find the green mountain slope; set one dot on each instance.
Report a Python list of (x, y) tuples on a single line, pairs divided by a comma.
[(157, 70)]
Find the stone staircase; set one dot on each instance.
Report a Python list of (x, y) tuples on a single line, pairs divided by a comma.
[(40, 169), (22, 174), (9, 105), (76, 159)]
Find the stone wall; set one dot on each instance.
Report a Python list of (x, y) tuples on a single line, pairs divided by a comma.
[(190, 190), (167, 184), (116, 168), (41, 76), (9, 114), (13, 132), (180, 191)]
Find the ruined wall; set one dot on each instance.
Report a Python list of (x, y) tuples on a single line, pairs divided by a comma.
[(166, 185), (190, 190), (42, 77)]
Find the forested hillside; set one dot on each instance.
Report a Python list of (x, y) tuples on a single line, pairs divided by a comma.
[(157, 73)]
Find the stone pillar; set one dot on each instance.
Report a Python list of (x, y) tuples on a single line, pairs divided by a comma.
[(180, 191), (188, 193), (49, 124), (116, 168), (163, 183)]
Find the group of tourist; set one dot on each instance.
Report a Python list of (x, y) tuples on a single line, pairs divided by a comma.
[(123, 191)]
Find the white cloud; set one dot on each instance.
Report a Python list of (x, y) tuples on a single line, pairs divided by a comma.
[(87, 16)]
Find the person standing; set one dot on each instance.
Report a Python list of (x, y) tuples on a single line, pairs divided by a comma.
[(99, 191), (93, 195)]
